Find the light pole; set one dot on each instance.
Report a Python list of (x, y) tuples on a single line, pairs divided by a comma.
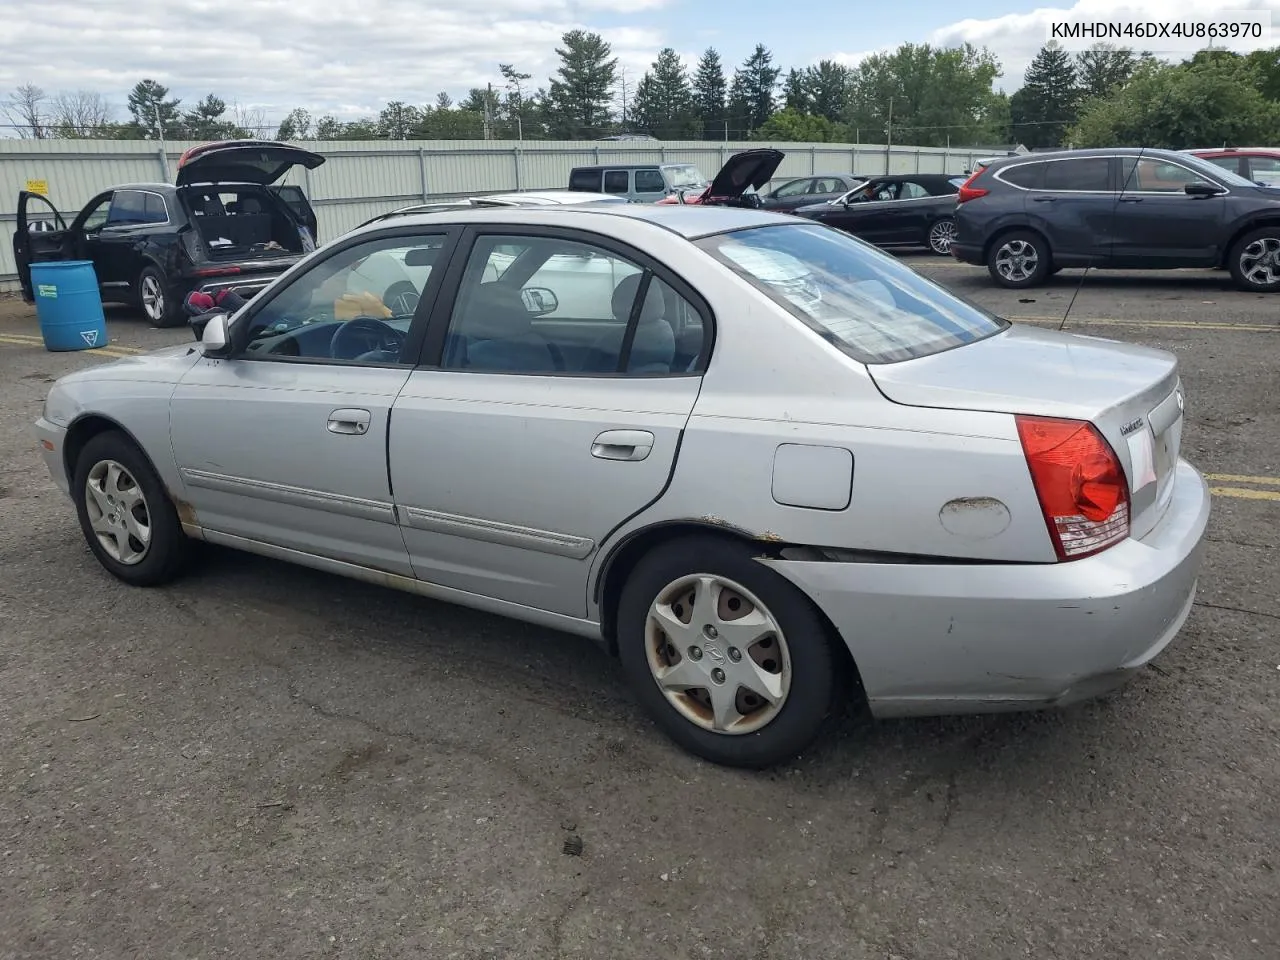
[(164, 153)]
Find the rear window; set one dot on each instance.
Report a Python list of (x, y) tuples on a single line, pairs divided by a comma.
[(861, 300), (587, 180)]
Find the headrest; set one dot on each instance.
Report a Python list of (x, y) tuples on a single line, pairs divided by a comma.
[(495, 311), (624, 297)]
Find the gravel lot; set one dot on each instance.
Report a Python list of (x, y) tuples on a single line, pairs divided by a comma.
[(265, 761)]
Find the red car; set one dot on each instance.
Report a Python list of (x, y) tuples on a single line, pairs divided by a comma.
[(1260, 164), (750, 168)]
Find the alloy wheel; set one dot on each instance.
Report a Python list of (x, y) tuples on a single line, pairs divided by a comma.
[(717, 654), (1260, 261), (1016, 261), (152, 297), (941, 235), (118, 512)]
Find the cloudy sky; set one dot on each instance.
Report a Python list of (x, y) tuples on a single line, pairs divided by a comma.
[(348, 58)]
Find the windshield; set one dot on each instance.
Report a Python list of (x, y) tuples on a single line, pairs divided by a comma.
[(864, 301), (1212, 170), (684, 176)]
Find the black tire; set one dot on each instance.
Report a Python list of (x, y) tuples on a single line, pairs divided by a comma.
[(1023, 243), (169, 548), (818, 674), (940, 236), (1264, 242), (152, 283)]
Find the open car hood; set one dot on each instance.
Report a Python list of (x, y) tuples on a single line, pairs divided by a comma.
[(242, 161), (750, 168)]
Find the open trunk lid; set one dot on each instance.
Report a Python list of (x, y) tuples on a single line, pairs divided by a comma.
[(1132, 394), (750, 168), (242, 161)]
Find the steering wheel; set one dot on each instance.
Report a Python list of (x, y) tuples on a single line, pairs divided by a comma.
[(360, 336)]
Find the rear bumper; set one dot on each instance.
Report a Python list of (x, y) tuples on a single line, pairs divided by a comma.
[(941, 639), (967, 252)]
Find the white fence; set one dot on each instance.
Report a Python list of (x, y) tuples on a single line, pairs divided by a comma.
[(360, 180)]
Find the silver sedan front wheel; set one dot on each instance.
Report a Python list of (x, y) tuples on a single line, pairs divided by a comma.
[(118, 512), (718, 654)]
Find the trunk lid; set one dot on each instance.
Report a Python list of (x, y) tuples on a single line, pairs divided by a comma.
[(242, 161), (750, 168), (1132, 394)]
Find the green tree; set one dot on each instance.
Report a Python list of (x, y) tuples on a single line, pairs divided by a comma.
[(709, 89), (581, 91), (1267, 64), (1102, 68), (664, 105), (930, 96), (514, 105), (751, 94), (206, 121), (1215, 100), (398, 120), (295, 126), (154, 112), (795, 92), (794, 126), (1049, 99)]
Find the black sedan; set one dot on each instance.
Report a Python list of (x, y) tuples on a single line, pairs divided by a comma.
[(804, 191), (904, 210)]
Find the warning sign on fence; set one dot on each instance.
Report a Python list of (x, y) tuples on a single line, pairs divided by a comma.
[(38, 186)]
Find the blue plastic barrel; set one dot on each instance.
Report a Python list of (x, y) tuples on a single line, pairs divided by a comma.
[(69, 305)]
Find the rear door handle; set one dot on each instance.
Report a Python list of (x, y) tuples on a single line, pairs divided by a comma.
[(349, 421), (1130, 199), (622, 445), (1046, 199)]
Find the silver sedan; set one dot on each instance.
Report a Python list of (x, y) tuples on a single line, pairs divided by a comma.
[(764, 464)]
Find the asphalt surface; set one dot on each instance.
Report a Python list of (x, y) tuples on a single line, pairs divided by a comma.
[(264, 761)]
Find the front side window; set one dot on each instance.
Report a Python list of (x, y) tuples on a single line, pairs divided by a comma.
[(541, 305), (354, 307), (1156, 176), (912, 191), (862, 301), (649, 181), (97, 217), (1265, 168)]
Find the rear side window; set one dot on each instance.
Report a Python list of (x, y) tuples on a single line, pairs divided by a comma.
[(588, 180), (154, 208), (129, 208), (617, 181), (1088, 173), (1029, 176), (650, 181), (866, 303)]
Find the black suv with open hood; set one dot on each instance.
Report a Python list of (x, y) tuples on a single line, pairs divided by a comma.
[(224, 222)]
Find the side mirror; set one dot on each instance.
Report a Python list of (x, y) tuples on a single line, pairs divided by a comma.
[(1201, 189), (215, 338), (540, 301)]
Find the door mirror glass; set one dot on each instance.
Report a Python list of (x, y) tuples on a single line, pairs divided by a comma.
[(540, 301)]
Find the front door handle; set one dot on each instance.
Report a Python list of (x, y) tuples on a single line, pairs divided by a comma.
[(1130, 199), (1046, 199), (622, 445), (349, 421)]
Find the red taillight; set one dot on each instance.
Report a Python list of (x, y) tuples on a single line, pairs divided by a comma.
[(967, 192), (1080, 483), (216, 271)]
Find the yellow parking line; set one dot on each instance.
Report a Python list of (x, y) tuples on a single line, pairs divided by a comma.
[(21, 340), (1175, 324), (1238, 478), (1242, 493)]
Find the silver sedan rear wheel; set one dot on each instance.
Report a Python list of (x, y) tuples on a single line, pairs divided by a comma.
[(718, 654)]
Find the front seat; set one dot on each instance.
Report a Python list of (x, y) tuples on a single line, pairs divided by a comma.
[(654, 346), (496, 333)]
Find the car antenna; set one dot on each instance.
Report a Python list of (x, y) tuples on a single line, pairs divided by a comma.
[(1111, 230)]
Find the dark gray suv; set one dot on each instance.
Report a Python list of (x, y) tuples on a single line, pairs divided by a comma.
[(1027, 217)]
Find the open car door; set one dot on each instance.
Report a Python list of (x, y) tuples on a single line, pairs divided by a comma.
[(42, 235)]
